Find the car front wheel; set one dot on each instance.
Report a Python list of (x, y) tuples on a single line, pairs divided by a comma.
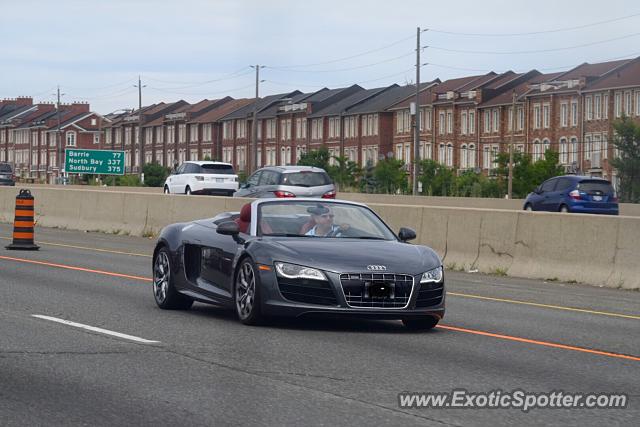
[(166, 190), (420, 323), (564, 209), (164, 292), (528, 207), (187, 191), (247, 293)]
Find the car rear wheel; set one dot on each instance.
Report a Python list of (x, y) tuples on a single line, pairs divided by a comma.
[(528, 207), (247, 293), (164, 292), (187, 191), (420, 323), (564, 209), (166, 190)]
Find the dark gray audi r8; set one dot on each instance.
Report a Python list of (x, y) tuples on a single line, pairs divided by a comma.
[(299, 257)]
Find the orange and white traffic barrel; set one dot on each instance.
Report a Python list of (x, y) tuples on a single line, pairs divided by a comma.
[(23, 224)]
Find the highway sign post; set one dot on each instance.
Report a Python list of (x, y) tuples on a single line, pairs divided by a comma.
[(104, 162)]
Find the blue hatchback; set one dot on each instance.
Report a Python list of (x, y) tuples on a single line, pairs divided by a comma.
[(571, 193)]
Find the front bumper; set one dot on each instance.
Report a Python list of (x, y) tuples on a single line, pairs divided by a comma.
[(275, 304)]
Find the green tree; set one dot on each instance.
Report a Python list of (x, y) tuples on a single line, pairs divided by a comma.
[(436, 179), (627, 163), (368, 182), (345, 173), (318, 158), (391, 176), (527, 175), (154, 174), (207, 158)]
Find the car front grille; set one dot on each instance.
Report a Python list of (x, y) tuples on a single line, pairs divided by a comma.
[(430, 294), (357, 289), (307, 291)]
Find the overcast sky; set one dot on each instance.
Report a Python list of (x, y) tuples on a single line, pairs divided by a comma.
[(95, 50)]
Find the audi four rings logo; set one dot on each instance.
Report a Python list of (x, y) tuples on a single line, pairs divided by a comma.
[(377, 267)]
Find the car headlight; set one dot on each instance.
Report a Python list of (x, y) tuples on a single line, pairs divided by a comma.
[(293, 271), (432, 276)]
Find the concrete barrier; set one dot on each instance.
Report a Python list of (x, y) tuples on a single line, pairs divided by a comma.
[(598, 250)]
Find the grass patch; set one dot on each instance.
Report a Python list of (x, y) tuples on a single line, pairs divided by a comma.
[(499, 271)]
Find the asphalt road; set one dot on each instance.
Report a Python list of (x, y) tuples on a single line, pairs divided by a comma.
[(208, 369)]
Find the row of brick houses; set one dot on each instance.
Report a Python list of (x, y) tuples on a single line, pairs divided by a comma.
[(464, 123)]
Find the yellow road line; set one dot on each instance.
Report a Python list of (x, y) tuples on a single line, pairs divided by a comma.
[(535, 304), (86, 248)]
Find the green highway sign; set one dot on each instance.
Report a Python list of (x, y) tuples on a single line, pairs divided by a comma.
[(105, 162)]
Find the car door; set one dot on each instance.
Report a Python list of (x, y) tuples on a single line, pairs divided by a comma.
[(174, 180), (561, 193), (549, 197), (218, 255), (249, 188), (188, 176), (268, 183)]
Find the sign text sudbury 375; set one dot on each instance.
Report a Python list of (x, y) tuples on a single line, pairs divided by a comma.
[(105, 162)]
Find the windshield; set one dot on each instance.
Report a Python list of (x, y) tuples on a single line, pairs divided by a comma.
[(305, 179), (321, 220), (219, 169)]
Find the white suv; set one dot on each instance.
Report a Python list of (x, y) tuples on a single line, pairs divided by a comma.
[(202, 178)]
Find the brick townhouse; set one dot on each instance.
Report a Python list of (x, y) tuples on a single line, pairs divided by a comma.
[(210, 135), (557, 110), (351, 127), (291, 124), (619, 92), (236, 129), (29, 134)]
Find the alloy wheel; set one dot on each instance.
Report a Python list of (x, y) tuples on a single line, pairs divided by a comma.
[(245, 290), (161, 277)]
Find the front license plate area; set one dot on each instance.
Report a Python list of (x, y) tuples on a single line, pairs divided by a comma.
[(379, 290)]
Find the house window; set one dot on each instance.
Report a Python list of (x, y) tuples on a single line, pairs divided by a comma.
[(587, 147), (496, 120), (227, 130), (472, 122), (605, 107), (537, 118), (182, 133), (449, 154), (546, 146), (597, 100), (71, 139), (546, 115), (94, 122), (574, 113), (637, 103), (564, 157), (463, 123), (564, 115), (193, 133), (399, 151), (588, 111), (441, 124), (206, 133), (617, 105), (471, 156), (486, 158), (520, 123), (487, 121), (441, 154), (96, 138), (627, 103), (573, 150), (449, 122), (159, 134), (510, 119), (316, 129)]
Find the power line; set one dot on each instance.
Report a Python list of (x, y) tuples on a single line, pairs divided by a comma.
[(520, 52), (346, 58), (102, 87), (346, 69), (225, 77), (209, 81), (200, 93), (557, 30), (338, 85)]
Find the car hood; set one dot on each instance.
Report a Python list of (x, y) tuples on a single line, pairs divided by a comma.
[(350, 255)]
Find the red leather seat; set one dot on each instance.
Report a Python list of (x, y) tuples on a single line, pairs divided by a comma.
[(244, 220), (307, 226)]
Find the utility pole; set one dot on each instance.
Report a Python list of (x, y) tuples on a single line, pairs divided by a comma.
[(140, 157), (59, 137), (513, 130), (416, 135), (252, 165)]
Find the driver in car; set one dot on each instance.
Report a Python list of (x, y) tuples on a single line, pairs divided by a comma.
[(323, 218)]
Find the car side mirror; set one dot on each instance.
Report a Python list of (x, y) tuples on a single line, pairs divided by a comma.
[(537, 190), (229, 228), (406, 234)]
